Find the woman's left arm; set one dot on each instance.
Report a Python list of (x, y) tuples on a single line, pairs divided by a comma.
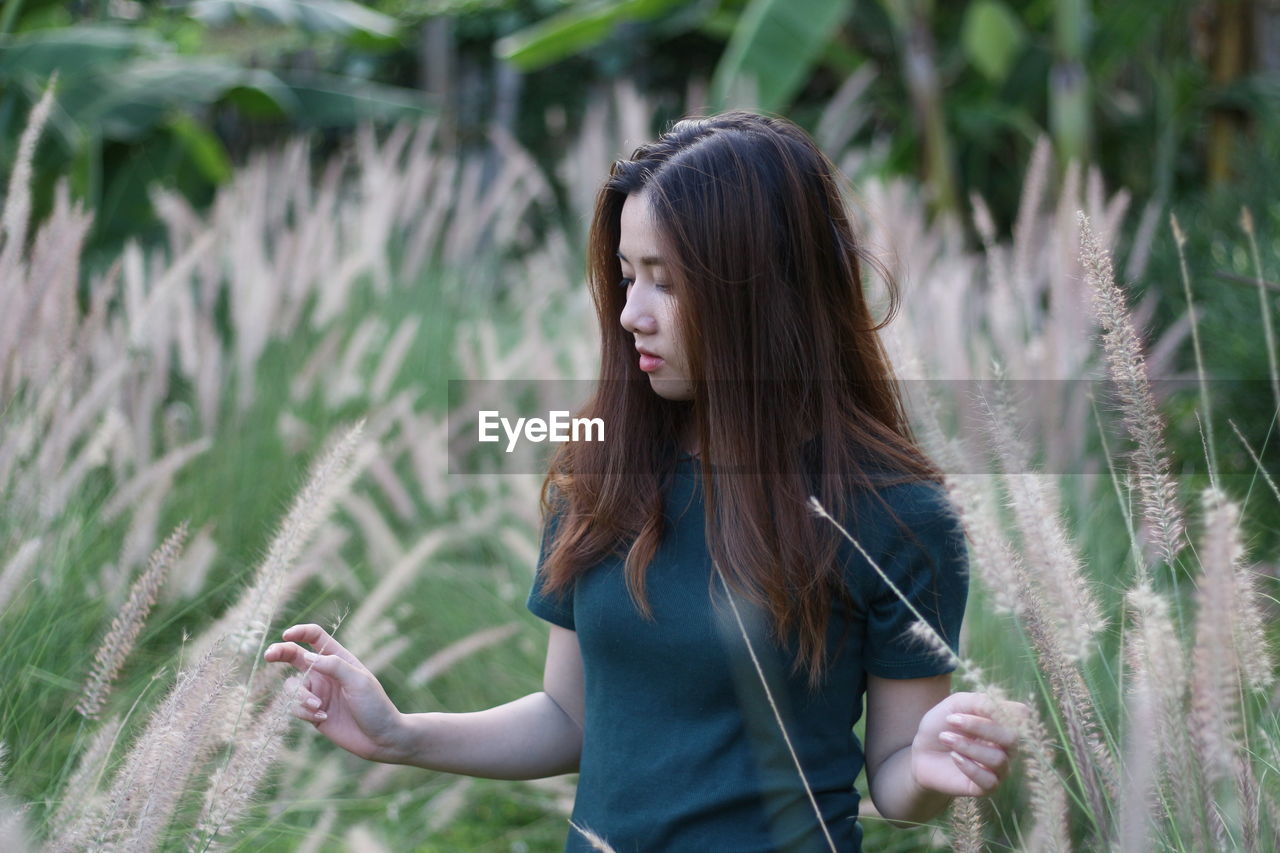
[(926, 745)]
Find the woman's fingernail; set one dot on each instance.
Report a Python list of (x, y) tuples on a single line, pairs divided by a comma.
[(313, 702), (949, 737), (321, 715), (310, 657), (955, 719)]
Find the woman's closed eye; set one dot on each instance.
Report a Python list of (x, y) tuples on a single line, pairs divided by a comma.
[(627, 282)]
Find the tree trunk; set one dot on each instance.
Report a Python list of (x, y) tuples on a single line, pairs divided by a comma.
[(1266, 36), (1229, 62), (1070, 105), (911, 19), (437, 72)]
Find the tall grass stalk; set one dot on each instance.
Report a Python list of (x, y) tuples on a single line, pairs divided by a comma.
[(967, 833), (330, 476), (921, 627), (1128, 369), (17, 568), (1058, 610), (596, 842), (1180, 242), (128, 623), (1058, 583), (1091, 763), (777, 715), (1266, 475), (1135, 801), (13, 819), (233, 785), (1264, 305), (1158, 682), (154, 774), (1122, 501), (1217, 669), (17, 205), (1049, 806), (83, 785)]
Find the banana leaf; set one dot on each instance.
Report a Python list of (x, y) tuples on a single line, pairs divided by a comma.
[(331, 100), (774, 47), (580, 27), (332, 17), (82, 48)]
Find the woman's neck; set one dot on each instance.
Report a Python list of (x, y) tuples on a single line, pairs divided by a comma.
[(689, 442)]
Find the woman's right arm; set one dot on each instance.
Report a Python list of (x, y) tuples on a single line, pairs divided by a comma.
[(534, 736)]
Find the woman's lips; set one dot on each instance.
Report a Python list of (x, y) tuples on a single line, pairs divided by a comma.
[(650, 363)]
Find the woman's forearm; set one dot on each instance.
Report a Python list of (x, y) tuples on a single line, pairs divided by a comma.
[(897, 796), (528, 738)]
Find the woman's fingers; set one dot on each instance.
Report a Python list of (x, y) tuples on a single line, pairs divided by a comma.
[(339, 669), (334, 666), (290, 653), (303, 696), (310, 715), (306, 705), (320, 640), (981, 776), (983, 727), (981, 736), (986, 754)]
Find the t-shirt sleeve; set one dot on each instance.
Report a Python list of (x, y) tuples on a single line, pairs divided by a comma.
[(558, 610), (932, 574)]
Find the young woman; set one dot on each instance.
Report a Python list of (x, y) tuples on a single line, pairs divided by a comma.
[(712, 638)]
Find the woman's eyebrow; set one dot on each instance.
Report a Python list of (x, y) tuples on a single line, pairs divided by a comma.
[(648, 260)]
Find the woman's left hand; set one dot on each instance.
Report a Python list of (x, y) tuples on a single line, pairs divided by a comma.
[(960, 749)]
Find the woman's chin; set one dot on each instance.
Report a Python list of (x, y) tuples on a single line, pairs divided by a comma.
[(671, 389)]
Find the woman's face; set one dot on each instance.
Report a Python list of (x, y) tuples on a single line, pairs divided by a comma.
[(650, 312)]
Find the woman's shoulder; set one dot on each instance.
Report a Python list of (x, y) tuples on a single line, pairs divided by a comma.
[(896, 508), (914, 495), (912, 531)]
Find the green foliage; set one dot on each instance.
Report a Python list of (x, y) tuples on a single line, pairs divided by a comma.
[(1123, 83), (774, 47), (335, 17), (51, 629), (1229, 313), (139, 101), (992, 37), (333, 100), (496, 822), (573, 30)]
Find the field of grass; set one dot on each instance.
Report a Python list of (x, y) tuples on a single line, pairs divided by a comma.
[(196, 391)]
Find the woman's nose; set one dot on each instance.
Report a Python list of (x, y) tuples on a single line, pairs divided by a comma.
[(637, 318)]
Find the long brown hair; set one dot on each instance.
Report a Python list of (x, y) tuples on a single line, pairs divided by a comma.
[(793, 391)]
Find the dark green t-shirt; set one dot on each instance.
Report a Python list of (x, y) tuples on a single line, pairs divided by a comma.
[(681, 752)]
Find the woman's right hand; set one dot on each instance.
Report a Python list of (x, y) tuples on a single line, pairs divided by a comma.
[(339, 695)]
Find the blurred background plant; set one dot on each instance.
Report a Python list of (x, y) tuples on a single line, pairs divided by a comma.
[(221, 252), (1168, 99), (174, 93)]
